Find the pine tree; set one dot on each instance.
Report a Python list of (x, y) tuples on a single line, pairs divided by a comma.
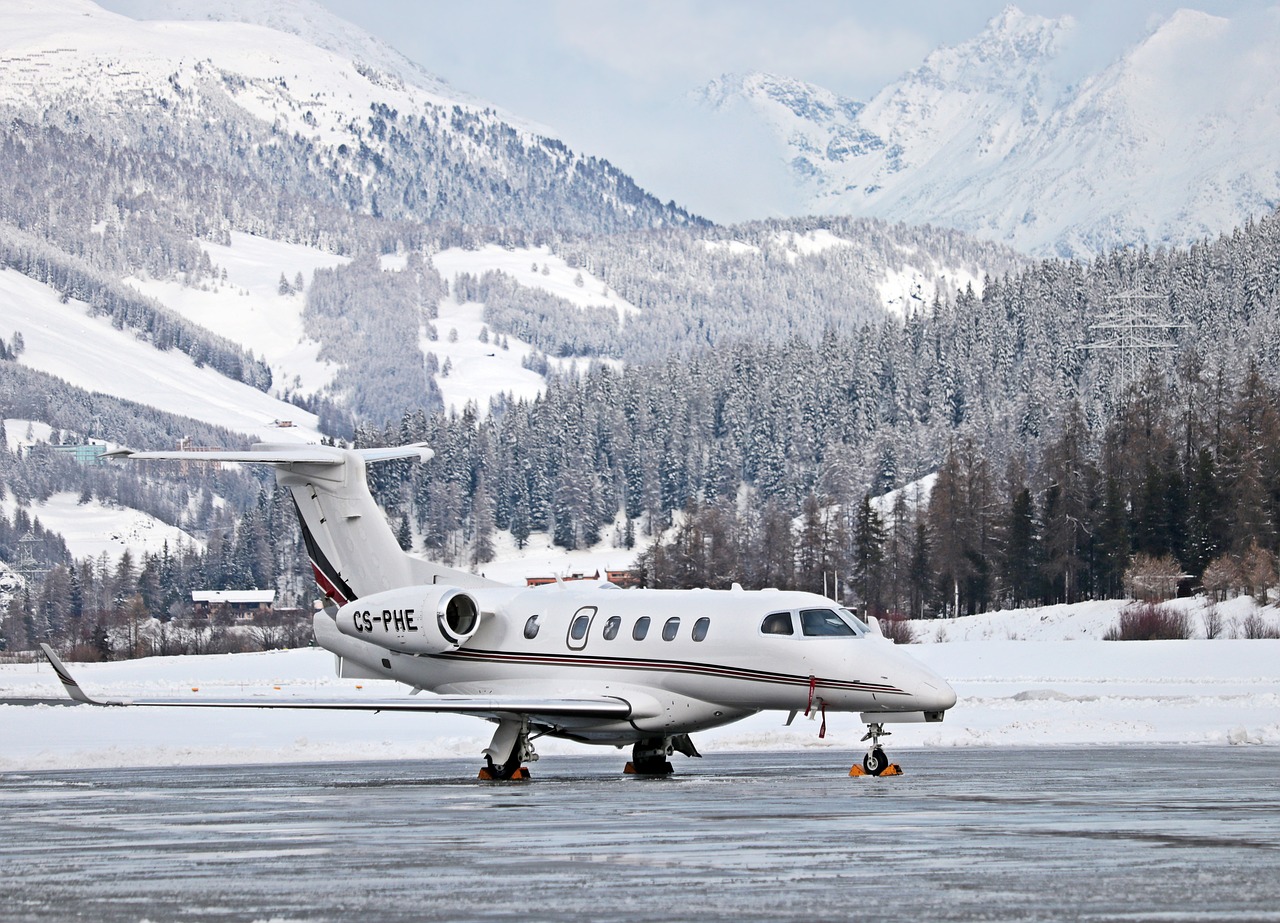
[(869, 557)]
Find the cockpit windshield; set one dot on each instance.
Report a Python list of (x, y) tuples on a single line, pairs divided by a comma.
[(829, 623)]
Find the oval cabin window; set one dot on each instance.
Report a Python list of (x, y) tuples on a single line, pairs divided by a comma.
[(611, 627), (531, 627), (641, 629), (700, 628), (669, 630), (579, 626)]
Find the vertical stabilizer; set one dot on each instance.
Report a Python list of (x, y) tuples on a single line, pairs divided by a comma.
[(353, 551)]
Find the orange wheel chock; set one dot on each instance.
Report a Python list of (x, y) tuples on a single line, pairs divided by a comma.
[(520, 775), (893, 769)]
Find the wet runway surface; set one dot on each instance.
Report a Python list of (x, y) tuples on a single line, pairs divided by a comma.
[(1043, 834)]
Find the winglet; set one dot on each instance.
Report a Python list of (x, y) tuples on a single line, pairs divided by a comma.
[(68, 683)]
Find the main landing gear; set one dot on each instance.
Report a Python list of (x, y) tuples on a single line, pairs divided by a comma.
[(512, 746), (649, 756), (875, 763)]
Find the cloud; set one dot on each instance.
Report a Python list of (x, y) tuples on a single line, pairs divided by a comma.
[(677, 43)]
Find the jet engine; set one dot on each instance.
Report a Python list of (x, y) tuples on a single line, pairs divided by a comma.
[(412, 620)]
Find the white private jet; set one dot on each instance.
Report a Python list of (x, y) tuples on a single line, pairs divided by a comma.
[(586, 662)]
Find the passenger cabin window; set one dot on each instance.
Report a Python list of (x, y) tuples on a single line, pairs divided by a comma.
[(777, 623), (578, 627), (669, 630), (531, 627), (641, 629), (700, 628), (611, 627), (824, 623)]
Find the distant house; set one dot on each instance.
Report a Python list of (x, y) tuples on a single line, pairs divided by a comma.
[(243, 606), (623, 578), (627, 579), (91, 454), (543, 581)]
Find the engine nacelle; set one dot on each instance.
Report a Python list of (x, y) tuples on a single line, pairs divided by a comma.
[(413, 620)]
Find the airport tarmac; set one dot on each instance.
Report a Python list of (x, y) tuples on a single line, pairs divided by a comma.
[(1079, 833)]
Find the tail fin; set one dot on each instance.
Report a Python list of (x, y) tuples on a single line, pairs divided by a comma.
[(352, 548)]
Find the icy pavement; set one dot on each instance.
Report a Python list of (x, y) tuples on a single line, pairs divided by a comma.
[(1156, 833)]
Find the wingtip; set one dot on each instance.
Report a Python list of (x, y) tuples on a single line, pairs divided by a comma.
[(64, 676)]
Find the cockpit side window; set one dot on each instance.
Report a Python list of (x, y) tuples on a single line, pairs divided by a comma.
[(824, 623), (777, 623), (859, 626)]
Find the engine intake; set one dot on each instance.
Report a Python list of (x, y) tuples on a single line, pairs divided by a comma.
[(413, 620)]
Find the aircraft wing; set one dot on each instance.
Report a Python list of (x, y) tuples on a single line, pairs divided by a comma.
[(495, 707), (290, 454)]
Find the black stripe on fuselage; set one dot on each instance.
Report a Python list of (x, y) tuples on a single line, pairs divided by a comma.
[(670, 666)]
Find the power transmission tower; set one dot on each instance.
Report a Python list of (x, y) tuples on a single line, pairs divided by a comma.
[(1132, 332)]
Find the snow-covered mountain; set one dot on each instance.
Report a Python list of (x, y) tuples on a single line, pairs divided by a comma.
[(1171, 142), (327, 112)]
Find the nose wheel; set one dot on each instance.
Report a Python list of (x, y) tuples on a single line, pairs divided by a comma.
[(875, 763)]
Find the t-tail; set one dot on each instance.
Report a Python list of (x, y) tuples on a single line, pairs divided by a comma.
[(352, 549)]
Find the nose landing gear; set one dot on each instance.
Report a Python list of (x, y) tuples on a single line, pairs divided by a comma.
[(875, 763)]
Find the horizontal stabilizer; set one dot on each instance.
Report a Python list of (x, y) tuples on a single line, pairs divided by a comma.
[(268, 454)]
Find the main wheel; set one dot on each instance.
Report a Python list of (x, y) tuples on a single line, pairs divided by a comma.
[(506, 770), (649, 758), (875, 762)]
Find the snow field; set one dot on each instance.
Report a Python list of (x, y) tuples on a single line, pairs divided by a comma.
[(248, 308), (88, 352), (94, 528)]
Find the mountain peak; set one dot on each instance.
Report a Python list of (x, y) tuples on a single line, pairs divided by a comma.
[(1013, 47)]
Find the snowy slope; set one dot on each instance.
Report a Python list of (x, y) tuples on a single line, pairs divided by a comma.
[(248, 308), (1011, 693), (55, 47), (308, 21), (480, 371), (553, 275), (910, 286), (88, 352), (1172, 141), (93, 529)]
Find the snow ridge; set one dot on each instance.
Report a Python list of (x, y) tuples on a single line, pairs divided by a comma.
[(1169, 143)]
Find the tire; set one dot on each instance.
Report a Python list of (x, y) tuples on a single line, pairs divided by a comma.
[(875, 762), (508, 769)]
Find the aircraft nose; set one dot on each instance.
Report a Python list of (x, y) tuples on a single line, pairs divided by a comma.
[(929, 691), (935, 694)]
